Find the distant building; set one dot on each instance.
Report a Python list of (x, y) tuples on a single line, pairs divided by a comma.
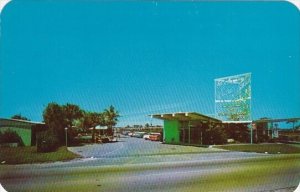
[(25, 129), (269, 128)]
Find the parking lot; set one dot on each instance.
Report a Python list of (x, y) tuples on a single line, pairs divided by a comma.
[(129, 150), (130, 146)]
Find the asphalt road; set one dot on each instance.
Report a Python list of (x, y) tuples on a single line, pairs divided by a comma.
[(137, 165), (134, 150)]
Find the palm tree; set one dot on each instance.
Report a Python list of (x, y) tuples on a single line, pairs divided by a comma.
[(111, 118), (91, 119), (95, 120), (72, 112), (20, 117)]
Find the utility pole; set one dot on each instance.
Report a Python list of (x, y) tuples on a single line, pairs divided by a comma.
[(66, 129)]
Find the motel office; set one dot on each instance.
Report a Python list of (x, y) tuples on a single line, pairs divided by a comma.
[(194, 128)]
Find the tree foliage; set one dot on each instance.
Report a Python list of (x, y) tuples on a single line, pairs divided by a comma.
[(10, 136), (111, 117), (20, 117), (71, 112), (215, 135), (57, 117), (47, 141), (91, 120), (238, 132), (54, 118)]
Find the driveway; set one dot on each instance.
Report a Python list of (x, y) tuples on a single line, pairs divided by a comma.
[(130, 150)]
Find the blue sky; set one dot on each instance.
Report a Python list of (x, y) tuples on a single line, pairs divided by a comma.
[(147, 57)]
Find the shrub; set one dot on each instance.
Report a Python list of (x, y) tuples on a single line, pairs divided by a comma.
[(215, 135), (47, 141), (72, 133), (10, 137)]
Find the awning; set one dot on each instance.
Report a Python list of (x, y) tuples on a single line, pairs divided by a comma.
[(98, 127)]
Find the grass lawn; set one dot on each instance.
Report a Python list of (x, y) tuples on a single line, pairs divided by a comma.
[(24, 155), (250, 174), (166, 149), (262, 148)]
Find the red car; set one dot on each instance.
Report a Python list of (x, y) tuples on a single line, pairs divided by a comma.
[(154, 137)]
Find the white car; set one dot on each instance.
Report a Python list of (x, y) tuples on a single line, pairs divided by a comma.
[(146, 136)]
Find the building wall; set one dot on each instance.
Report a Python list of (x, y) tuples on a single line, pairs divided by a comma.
[(25, 129), (24, 133), (171, 131)]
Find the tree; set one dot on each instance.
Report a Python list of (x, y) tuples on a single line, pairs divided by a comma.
[(92, 119), (71, 113), (85, 121), (111, 118), (46, 141), (214, 135), (20, 117), (54, 118), (58, 117)]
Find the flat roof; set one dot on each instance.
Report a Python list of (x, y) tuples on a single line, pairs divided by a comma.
[(23, 121), (276, 120), (185, 116), (237, 122)]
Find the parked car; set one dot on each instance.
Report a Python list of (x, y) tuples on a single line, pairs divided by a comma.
[(154, 137), (103, 138), (130, 134), (146, 136), (125, 132), (106, 139), (138, 134)]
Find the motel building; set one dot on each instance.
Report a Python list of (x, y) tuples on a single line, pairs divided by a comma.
[(193, 128), (185, 128), (27, 130)]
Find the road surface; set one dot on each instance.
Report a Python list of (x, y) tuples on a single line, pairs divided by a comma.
[(137, 165)]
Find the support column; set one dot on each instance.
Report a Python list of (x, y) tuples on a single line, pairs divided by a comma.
[(251, 134), (272, 130)]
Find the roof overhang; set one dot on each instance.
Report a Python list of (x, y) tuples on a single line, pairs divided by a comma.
[(185, 116), (23, 121), (237, 122), (276, 120)]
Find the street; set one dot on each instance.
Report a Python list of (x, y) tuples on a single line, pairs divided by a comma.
[(134, 164)]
